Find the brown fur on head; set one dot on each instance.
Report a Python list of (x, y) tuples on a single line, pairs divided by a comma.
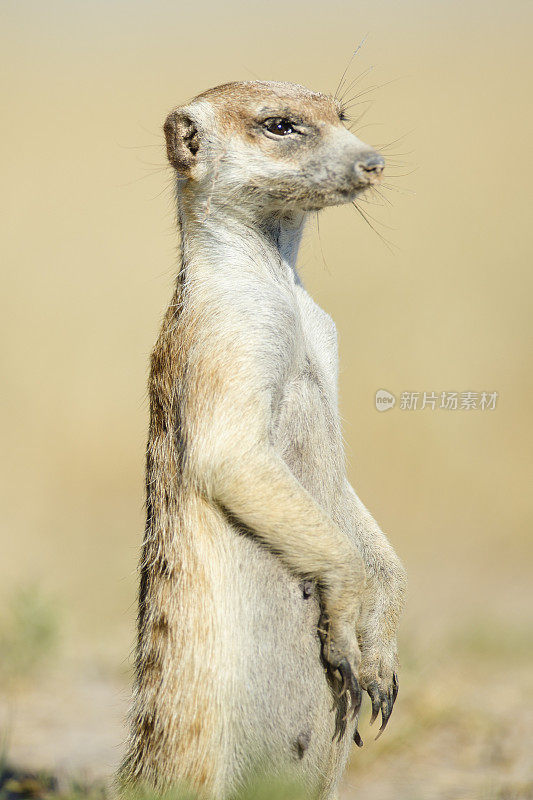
[(278, 144)]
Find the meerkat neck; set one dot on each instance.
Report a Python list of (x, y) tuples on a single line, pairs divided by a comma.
[(224, 239)]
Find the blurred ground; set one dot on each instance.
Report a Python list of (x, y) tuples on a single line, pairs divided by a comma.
[(89, 251), (462, 730)]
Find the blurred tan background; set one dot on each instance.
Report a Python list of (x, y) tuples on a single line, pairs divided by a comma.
[(89, 253)]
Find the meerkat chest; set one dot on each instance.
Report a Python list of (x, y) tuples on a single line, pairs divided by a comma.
[(307, 427), (319, 341)]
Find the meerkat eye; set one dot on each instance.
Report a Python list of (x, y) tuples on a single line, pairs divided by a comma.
[(279, 126)]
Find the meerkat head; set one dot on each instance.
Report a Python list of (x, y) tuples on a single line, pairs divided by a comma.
[(274, 147)]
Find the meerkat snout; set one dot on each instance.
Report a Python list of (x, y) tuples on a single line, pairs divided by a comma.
[(263, 146), (370, 167)]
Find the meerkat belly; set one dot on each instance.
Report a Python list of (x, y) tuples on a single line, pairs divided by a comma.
[(276, 650), (281, 708)]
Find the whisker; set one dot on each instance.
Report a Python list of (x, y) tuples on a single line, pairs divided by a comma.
[(370, 202), (391, 188), (374, 88), (164, 190), (160, 164), (394, 141), (150, 133), (395, 155), (149, 174), (362, 116), (385, 241), (136, 146), (351, 104), (377, 221), (343, 76), (255, 75), (403, 174), (385, 199), (367, 124), (354, 82)]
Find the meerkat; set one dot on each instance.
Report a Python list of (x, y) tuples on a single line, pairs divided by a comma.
[(269, 597)]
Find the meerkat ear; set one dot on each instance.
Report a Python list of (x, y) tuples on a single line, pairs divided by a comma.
[(181, 133)]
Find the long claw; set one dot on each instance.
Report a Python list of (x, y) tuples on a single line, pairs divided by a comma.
[(376, 702), (342, 727), (357, 738), (395, 688), (350, 684), (386, 711)]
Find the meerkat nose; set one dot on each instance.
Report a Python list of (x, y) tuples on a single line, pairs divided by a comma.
[(371, 166)]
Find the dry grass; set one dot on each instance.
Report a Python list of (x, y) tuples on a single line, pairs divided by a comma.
[(29, 635)]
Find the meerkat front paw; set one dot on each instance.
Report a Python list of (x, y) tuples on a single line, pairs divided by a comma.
[(341, 657), (378, 676)]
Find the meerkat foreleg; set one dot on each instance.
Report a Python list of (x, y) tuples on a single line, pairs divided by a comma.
[(259, 491), (382, 602)]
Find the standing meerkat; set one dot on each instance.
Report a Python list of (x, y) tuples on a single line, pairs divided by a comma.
[(269, 597)]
